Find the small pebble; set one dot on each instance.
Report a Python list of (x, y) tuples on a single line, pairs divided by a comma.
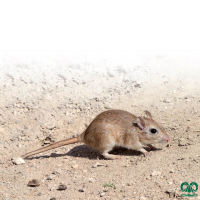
[(102, 194), (33, 183), (156, 173), (167, 100), (91, 180), (76, 135), (70, 122), (50, 177), (50, 126), (182, 142), (97, 165), (18, 161), (62, 187), (81, 190), (137, 85)]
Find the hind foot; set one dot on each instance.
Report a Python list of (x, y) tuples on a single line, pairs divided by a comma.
[(111, 156)]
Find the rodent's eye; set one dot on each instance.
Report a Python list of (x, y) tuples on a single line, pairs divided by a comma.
[(153, 130)]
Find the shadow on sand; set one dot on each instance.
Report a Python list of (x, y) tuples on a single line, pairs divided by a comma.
[(84, 151)]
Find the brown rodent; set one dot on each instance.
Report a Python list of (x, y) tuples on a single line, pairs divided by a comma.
[(116, 128)]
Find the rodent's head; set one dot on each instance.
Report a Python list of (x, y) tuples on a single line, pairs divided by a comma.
[(152, 131)]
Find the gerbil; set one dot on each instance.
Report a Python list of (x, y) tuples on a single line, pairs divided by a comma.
[(116, 128)]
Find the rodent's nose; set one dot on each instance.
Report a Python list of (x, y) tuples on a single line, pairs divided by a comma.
[(166, 138)]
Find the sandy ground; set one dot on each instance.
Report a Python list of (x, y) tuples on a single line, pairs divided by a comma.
[(50, 96)]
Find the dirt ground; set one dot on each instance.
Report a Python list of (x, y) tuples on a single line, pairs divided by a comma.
[(39, 111)]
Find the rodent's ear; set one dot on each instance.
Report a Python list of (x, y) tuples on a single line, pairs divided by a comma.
[(140, 122), (148, 114)]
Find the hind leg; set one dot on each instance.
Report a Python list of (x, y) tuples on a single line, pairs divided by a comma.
[(109, 156)]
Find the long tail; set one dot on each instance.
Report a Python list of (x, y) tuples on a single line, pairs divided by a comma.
[(53, 146)]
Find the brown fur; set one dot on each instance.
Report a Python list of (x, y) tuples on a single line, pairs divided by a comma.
[(116, 128)]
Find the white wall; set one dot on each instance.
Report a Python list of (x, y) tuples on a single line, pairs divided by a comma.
[(95, 81), (139, 66)]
